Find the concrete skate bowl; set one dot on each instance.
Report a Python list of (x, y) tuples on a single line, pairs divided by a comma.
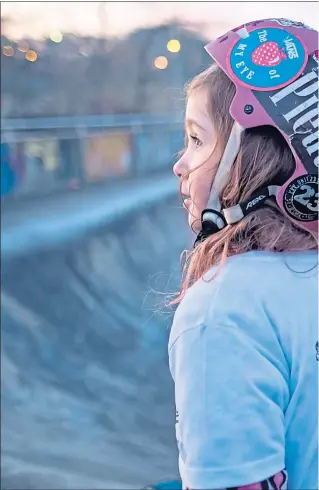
[(87, 398)]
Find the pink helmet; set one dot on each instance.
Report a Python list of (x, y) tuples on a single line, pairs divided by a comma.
[(274, 66)]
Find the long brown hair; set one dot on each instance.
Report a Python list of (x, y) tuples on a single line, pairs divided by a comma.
[(264, 158)]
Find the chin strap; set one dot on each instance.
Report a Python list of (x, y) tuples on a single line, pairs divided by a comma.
[(231, 150), (214, 221)]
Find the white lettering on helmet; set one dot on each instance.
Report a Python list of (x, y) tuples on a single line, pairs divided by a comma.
[(310, 141), (254, 201)]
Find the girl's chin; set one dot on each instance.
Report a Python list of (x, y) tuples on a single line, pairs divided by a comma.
[(194, 223)]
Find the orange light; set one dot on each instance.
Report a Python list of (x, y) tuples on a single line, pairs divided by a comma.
[(31, 56), (8, 50), (161, 62)]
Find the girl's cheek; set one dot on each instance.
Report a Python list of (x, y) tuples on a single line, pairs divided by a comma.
[(195, 160)]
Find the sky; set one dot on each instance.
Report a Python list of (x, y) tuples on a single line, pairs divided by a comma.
[(40, 19)]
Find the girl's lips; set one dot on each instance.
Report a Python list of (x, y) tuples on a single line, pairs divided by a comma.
[(187, 202)]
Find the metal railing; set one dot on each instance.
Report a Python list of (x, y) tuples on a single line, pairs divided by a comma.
[(82, 146), (91, 122)]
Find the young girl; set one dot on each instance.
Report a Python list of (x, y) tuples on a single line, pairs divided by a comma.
[(243, 343)]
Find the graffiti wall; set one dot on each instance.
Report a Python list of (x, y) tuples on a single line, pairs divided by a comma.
[(12, 168), (107, 155)]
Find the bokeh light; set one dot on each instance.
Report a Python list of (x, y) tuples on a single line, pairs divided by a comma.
[(161, 62), (8, 50), (23, 46), (173, 46), (31, 55), (56, 37)]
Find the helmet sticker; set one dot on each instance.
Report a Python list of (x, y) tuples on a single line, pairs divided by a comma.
[(294, 110), (273, 64), (267, 59), (301, 198)]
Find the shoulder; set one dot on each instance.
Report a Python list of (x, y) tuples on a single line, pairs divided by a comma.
[(211, 294), (240, 293)]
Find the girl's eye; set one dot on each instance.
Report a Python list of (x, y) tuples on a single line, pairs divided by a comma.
[(196, 140)]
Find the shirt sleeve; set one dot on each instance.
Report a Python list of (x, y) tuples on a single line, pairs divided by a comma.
[(230, 402)]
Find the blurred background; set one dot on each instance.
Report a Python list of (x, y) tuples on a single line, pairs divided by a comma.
[(92, 230)]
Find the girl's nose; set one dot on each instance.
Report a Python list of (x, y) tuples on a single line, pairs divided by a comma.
[(180, 167)]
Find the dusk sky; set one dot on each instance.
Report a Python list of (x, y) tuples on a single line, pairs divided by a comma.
[(40, 19)]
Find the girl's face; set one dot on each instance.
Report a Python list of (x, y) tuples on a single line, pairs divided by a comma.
[(197, 167)]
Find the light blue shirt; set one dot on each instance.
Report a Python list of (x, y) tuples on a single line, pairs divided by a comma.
[(242, 353)]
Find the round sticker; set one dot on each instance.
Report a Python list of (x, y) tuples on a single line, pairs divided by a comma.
[(301, 198), (267, 59)]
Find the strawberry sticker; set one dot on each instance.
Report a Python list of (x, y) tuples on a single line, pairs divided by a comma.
[(267, 58), (268, 54)]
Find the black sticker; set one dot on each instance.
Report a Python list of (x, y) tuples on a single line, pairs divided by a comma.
[(301, 198), (294, 109)]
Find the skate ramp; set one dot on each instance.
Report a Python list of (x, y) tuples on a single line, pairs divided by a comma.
[(87, 398)]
